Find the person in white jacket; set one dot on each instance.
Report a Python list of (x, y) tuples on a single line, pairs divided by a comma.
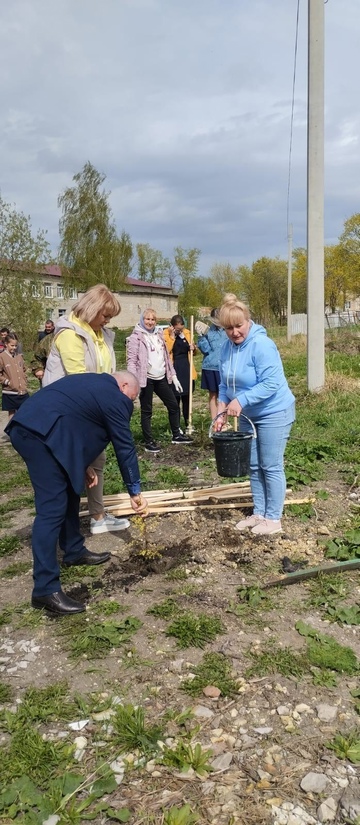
[(148, 359)]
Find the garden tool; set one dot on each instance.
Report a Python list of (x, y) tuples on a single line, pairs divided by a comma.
[(190, 429)]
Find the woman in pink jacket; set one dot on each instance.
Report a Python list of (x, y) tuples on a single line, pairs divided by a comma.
[(148, 359)]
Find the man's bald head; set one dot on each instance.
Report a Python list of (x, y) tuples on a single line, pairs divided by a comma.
[(127, 383)]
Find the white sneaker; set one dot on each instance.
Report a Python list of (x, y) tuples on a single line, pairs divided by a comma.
[(267, 527), (249, 521), (108, 524)]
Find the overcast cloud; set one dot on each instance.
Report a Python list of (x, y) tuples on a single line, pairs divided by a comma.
[(185, 106)]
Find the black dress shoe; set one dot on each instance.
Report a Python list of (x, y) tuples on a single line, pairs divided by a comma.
[(89, 558), (58, 604)]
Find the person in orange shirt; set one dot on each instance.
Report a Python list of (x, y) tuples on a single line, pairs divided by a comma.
[(178, 341)]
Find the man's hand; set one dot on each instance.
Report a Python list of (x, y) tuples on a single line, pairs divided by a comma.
[(91, 478), (140, 505), (177, 384), (39, 374)]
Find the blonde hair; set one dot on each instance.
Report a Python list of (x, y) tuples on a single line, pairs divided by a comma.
[(149, 309), (97, 299), (232, 311)]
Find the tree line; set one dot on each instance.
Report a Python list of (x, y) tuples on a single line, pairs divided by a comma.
[(92, 250)]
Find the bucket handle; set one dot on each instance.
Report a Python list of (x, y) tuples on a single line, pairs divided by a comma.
[(243, 415)]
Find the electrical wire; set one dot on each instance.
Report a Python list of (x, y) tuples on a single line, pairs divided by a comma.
[(292, 113)]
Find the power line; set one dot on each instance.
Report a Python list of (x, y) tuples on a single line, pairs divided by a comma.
[(292, 111)]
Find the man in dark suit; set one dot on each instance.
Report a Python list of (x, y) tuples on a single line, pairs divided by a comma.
[(58, 432)]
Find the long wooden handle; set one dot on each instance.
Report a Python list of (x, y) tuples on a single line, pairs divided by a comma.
[(191, 359)]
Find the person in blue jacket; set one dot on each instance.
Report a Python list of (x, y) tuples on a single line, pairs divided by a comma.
[(253, 383), (58, 432), (209, 343)]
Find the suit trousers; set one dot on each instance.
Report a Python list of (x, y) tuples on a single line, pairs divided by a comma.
[(57, 511)]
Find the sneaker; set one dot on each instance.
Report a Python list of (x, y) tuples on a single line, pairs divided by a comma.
[(108, 524), (249, 521), (267, 527), (181, 439), (151, 447)]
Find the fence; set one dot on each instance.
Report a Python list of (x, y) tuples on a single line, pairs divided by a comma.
[(332, 320)]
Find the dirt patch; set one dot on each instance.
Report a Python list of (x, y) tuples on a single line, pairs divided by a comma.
[(270, 734)]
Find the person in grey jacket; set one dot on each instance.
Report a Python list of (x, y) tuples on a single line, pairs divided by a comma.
[(209, 343), (82, 344)]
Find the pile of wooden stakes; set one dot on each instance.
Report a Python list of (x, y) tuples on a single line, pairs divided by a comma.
[(177, 501)]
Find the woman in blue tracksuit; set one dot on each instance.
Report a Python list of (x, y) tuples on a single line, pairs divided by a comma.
[(210, 343), (253, 382)]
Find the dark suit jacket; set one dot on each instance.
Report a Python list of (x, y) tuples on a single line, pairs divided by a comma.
[(76, 417)]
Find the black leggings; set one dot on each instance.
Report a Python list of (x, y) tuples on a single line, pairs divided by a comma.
[(164, 391)]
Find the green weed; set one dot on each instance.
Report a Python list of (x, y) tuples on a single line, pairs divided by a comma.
[(15, 570), (131, 733), (346, 548), (325, 652), (326, 590), (94, 640), (30, 755), (108, 607), (180, 816), (164, 610), (195, 631), (17, 503), (185, 756), (177, 574), (275, 659), (18, 479), (215, 669), (9, 545), (171, 477), (346, 746), (6, 693), (303, 511)]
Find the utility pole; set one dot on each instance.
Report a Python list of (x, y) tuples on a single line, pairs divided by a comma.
[(315, 198), (289, 283)]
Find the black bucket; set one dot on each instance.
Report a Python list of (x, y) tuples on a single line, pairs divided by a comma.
[(232, 453)]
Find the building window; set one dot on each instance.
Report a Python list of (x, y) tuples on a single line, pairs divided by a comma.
[(61, 312), (59, 291), (48, 290), (72, 292), (35, 291), (347, 304)]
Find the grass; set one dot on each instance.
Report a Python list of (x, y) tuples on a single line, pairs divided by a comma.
[(164, 610), (131, 732), (195, 631), (215, 669), (93, 639), (9, 545), (17, 569)]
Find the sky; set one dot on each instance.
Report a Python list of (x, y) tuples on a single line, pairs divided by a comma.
[(185, 106)]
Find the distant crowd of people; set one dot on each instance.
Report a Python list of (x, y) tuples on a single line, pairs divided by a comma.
[(84, 403)]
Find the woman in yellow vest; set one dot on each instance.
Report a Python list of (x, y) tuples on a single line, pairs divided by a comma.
[(178, 342)]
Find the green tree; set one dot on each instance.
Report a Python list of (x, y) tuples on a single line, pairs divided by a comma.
[(90, 249), (350, 246), (152, 266), (22, 257), (264, 289), (186, 263)]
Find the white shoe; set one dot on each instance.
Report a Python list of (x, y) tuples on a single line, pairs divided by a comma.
[(249, 521), (267, 527), (108, 524)]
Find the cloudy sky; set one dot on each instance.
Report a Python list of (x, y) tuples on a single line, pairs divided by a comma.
[(185, 105)]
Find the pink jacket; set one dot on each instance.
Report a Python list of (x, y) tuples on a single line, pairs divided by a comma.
[(137, 356)]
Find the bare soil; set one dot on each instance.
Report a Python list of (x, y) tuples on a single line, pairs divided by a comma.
[(217, 560)]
